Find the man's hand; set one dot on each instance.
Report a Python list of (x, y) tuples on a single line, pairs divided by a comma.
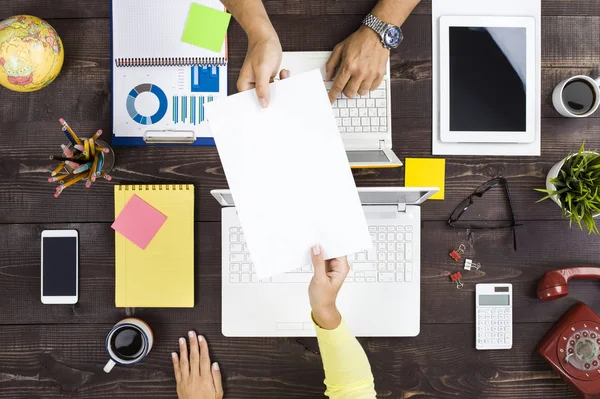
[(361, 62), (195, 377), (324, 287), (261, 65)]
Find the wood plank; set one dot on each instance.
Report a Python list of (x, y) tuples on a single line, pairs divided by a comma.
[(66, 360), (84, 86), (25, 196), (543, 246), (94, 9)]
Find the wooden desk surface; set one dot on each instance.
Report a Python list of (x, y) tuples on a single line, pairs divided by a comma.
[(57, 351)]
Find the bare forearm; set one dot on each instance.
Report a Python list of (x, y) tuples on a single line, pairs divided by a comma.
[(394, 12), (251, 15)]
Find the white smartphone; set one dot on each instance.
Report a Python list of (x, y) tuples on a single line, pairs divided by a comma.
[(60, 266)]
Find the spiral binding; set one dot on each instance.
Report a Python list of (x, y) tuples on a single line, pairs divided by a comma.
[(154, 187), (177, 61)]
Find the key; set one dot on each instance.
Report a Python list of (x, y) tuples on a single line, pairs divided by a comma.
[(351, 103), (245, 267), (408, 275), (346, 122), (409, 266), (400, 256), (400, 237), (237, 258), (400, 228), (356, 121), (361, 257), (361, 267), (248, 258), (366, 129), (375, 129), (409, 236), (338, 121), (234, 278), (381, 246), (342, 103), (350, 129), (408, 228), (381, 237), (370, 103), (360, 279), (391, 246), (400, 267), (390, 228), (386, 277), (233, 238), (372, 112), (382, 122), (400, 247), (374, 121), (363, 112), (358, 129), (409, 251), (360, 103), (336, 112), (379, 93), (372, 229), (246, 248), (381, 104), (233, 230), (381, 266), (371, 254), (371, 277), (391, 256), (359, 274), (245, 278), (254, 278), (399, 276), (353, 111), (344, 112), (391, 236), (365, 121), (234, 267), (373, 236), (381, 256), (391, 266), (292, 278), (235, 247)]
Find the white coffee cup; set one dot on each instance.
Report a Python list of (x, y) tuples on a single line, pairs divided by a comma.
[(128, 342), (558, 96)]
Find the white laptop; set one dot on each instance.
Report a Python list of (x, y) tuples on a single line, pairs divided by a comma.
[(365, 122), (381, 296)]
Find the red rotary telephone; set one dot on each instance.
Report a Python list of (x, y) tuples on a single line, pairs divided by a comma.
[(572, 346)]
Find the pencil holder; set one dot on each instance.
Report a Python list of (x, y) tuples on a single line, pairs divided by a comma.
[(108, 158)]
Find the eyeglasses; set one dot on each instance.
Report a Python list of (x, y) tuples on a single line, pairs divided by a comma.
[(460, 210)]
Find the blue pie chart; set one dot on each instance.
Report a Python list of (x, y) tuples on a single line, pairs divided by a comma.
[(147, 119)]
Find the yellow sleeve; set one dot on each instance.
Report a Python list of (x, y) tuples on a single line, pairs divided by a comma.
[(347, 369)]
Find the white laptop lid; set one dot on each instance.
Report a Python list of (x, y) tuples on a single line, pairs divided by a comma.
[(368, 195)]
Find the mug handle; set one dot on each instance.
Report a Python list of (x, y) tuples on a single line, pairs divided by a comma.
[(597, 81), (109, 366)]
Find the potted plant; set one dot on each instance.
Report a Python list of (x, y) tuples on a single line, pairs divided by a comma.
[(574, 184)]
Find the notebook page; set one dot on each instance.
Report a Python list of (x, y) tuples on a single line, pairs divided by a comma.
[(289, 174), (153, 29)]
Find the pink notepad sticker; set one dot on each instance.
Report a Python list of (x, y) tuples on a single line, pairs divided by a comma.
[(139, 222)]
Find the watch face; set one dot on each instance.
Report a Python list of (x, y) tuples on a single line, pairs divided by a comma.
[(392, 37)]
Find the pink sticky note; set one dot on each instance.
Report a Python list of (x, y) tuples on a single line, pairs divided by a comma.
[(139, 222)]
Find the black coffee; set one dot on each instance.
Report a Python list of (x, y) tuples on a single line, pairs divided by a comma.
[(579, 97), (127, 343)]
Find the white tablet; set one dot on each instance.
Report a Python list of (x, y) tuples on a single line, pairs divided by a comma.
[(487, 79)]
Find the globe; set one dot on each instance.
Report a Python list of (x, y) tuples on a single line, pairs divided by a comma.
[(31, 53)]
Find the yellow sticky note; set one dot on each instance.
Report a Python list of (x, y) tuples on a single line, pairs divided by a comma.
[(426, 172)]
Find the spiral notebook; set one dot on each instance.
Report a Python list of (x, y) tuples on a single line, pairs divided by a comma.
[(162, 274), (160, 84)]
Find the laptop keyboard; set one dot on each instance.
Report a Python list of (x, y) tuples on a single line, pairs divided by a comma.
[(362, 114), (389, 261)]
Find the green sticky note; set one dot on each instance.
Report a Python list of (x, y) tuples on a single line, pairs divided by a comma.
[(206, 27)]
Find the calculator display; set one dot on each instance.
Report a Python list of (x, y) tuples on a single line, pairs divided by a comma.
[(494, 300)]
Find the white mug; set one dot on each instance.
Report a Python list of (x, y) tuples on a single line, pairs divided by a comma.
[(131, 335), (559, 101)]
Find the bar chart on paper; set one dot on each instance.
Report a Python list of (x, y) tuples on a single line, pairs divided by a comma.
[(189, 109)]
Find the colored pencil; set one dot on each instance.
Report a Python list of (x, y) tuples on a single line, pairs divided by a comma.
[(92, 148), (71, 140), (58, 178), (100, 164), (71, 132), (73, 165), (63, 159), (86, 145), (58, 169), (92, 175), (79, 148), (83, 168), (98, 148), (67, 151)]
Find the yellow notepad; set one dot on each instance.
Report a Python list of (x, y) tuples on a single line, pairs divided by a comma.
[(426, 172), (162, 275)]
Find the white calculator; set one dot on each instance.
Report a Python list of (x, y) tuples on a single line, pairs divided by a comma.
[(493, 316)]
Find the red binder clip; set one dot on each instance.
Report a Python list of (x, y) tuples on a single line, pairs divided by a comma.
[(456, 277), (456, 253)]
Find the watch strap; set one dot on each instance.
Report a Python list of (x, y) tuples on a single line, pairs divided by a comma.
[(376, 24)]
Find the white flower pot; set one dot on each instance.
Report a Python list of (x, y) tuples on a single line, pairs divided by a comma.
[(554, 171)]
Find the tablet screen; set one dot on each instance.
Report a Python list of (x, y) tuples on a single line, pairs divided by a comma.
[(488, 79)]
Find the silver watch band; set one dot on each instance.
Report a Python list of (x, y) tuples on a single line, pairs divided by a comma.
[(376, 24)]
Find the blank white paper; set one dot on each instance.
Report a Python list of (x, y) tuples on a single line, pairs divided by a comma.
[(289, 174)]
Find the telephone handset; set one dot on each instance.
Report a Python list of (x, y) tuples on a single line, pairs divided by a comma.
[(572, 346), (554, 284)]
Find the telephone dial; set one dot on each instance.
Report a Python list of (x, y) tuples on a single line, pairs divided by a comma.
[(572, 346)]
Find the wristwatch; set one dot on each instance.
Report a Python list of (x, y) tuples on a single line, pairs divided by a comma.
[(391, 35)]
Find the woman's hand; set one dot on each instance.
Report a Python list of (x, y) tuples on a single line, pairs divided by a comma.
[(195, 377), (261, 65), (324, 287)]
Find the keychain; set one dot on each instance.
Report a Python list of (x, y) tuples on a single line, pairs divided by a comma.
[(456, 277), (470, 265), (456, 253)]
